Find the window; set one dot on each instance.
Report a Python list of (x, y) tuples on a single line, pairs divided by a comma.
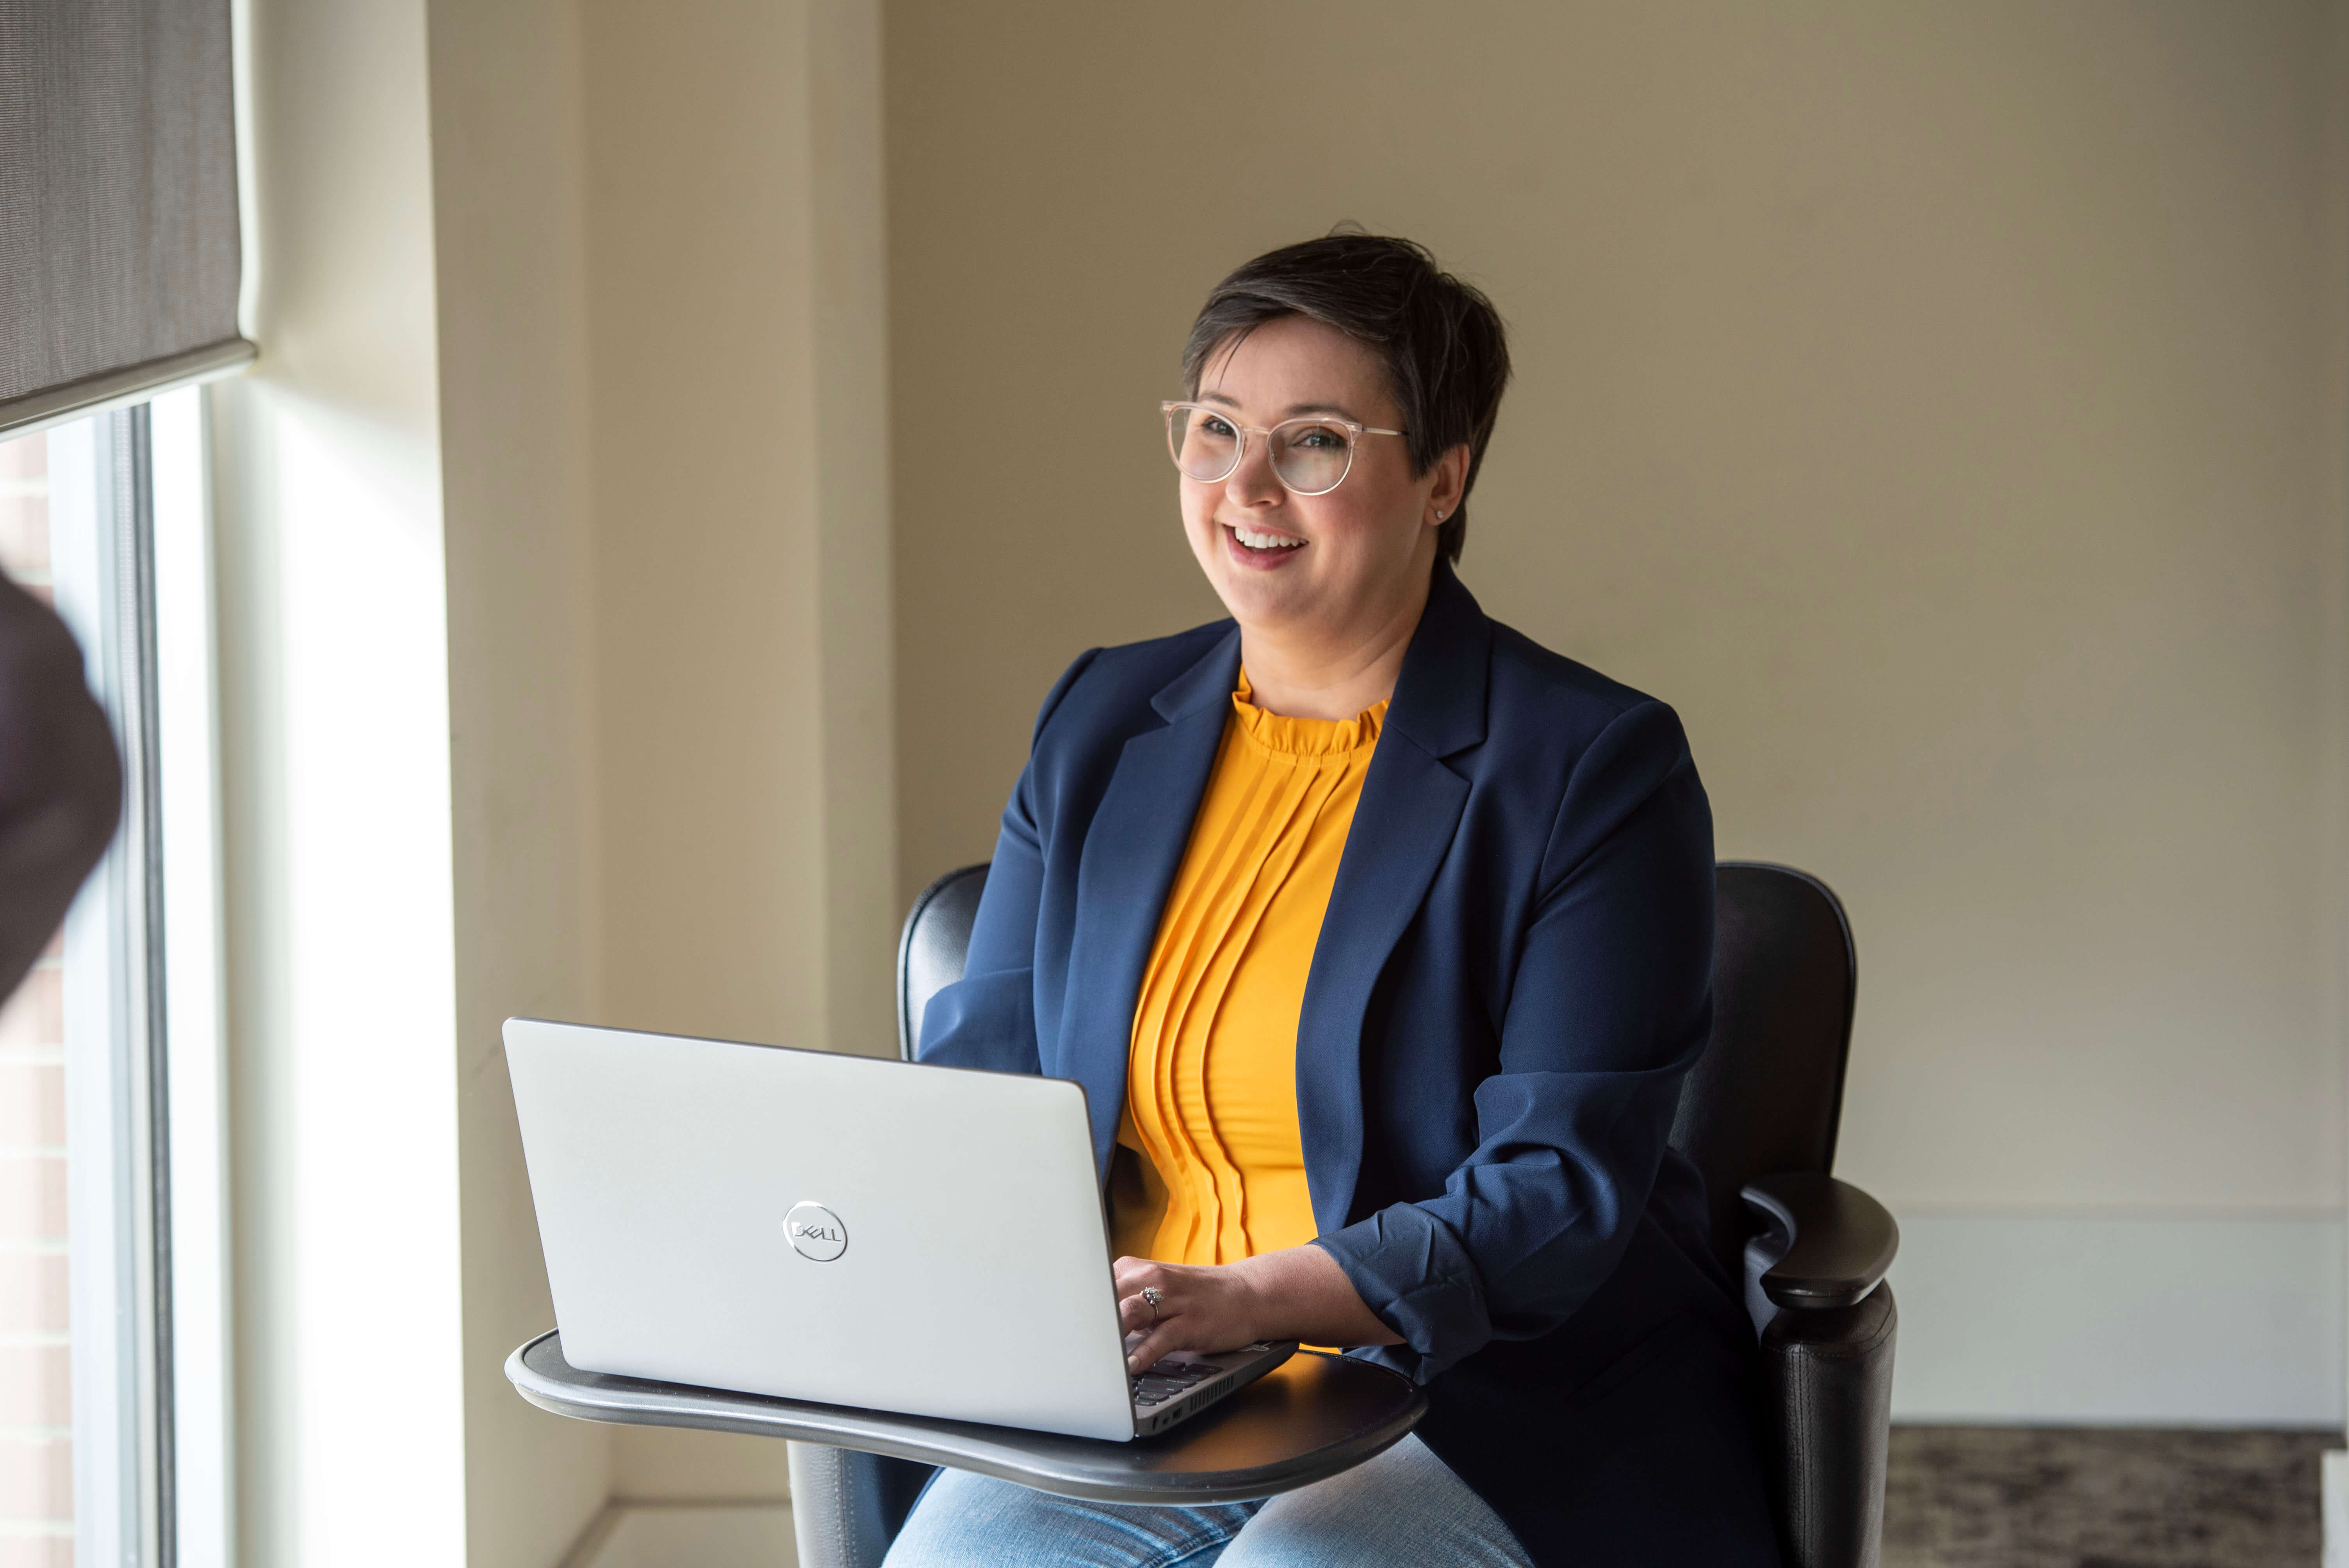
[(113, 1335)]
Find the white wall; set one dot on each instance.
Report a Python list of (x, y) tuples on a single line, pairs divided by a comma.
[(741, 479), (2136, 1318), (1934, 402), (335, 792)]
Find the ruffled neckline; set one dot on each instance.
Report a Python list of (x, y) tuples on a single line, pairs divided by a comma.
[(1289, 737)]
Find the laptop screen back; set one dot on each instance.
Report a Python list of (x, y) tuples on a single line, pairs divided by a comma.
[(876, 1233)]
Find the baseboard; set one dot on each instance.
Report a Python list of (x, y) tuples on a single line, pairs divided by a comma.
[(2335, 1484), (688, 1535), (2120, 1320)]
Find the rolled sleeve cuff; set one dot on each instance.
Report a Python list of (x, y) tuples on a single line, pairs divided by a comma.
[(1413, 1271), (982, 1021)]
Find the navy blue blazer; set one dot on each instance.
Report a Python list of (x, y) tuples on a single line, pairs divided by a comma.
[(1513, 975)]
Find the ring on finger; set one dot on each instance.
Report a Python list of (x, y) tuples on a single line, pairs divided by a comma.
[(1151, 1295)]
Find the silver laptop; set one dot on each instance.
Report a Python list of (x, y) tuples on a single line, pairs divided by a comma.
[(884, 1235)]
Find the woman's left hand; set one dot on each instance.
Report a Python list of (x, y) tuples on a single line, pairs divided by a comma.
[(1297, 1293)]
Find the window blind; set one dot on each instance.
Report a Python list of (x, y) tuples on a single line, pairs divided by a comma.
[(118, 249)]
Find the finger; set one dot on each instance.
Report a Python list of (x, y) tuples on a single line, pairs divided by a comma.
[(1134, 1315), (1165, 1338), (1159, 1342)]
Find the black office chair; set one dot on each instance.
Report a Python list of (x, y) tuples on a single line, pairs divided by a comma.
[(1758, 1117)]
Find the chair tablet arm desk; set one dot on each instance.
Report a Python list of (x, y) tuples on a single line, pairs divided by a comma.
[(855, 1473)]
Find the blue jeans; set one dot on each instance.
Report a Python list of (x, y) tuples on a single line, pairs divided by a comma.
[(1404, 1506)]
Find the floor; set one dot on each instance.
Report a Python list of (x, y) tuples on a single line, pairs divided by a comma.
[(2008, 1496), (1959, 1497), (688, 1535)]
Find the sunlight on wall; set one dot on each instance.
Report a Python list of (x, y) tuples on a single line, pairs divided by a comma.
[(338, 833)]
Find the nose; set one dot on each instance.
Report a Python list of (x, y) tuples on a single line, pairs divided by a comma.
[(1253, 483)]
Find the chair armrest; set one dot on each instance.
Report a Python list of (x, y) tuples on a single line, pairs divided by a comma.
[(1834, 1242), (1828, 1372)]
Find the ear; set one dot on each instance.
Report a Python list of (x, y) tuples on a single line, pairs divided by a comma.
[(1451, 474)]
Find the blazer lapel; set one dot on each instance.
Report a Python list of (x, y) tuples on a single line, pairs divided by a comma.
[(1132, 851), (1403, 829)]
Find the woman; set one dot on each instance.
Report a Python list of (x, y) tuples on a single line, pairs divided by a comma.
[(1380, 940)]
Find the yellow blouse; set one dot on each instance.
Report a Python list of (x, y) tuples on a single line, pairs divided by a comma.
[(1211, 1167)]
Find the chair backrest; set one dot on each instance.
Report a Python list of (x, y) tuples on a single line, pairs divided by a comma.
[(931, 950), (1764, 1098), (1767, 1094)]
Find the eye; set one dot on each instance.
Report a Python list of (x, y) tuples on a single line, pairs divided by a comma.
[(1319, 438), (1211, 425)]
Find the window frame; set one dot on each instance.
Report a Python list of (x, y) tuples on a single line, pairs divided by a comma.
[(146, 1164)]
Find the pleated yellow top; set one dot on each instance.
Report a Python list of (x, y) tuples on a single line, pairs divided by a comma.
[(1210, 1082)]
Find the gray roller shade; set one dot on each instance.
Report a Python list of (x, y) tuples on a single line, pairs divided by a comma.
[(119, 254)]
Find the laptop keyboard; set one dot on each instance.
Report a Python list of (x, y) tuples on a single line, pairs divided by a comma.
[(1163, 1381), (1176, 1389)]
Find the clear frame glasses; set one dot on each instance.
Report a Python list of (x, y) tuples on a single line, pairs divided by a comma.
[(1310, 456)]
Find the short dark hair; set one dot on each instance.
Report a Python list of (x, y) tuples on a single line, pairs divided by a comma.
[(1446, 352)]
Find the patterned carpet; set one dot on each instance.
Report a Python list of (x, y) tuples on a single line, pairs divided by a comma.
[(2008, 1496)]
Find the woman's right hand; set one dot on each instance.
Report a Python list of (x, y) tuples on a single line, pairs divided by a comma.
[(1296, 1293)]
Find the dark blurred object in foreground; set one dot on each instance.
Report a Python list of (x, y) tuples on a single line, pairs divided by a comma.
[(2041, 1497), (60, 779)]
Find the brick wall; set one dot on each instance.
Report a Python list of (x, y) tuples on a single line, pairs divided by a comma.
[(36, 1390)]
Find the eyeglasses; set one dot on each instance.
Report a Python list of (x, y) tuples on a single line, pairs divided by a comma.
[(1310, 456)]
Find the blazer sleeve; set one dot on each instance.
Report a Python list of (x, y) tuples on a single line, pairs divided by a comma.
[(1610, 1005), (988, 1018)]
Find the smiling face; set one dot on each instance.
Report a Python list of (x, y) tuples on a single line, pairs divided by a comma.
[(1327, 572)]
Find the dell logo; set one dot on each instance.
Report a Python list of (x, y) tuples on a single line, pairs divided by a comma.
[(815, 1232)]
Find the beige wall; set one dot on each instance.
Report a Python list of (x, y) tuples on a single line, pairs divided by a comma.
[(664, 410), (740, 505), (1929, 401), (663, 374), (741, 601), (509, 196)]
